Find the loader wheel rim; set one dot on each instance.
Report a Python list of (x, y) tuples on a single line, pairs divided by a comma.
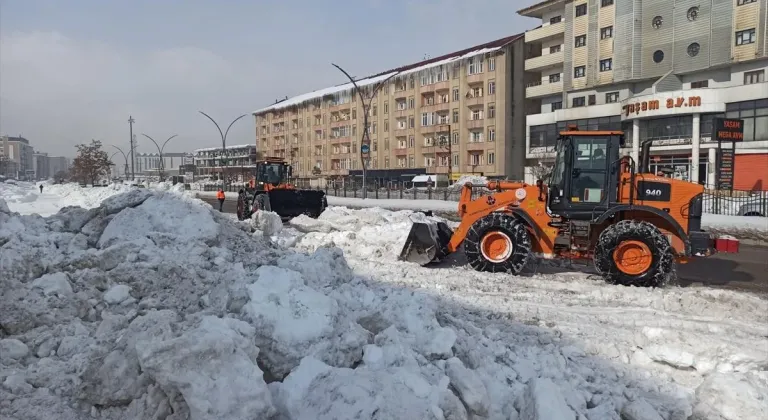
[(496, 246), (633, 257)]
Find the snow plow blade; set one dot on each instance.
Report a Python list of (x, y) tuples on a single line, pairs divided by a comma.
[(292, 203), (426, 243)]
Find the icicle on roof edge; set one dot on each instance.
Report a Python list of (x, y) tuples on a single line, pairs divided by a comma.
[(318, 94)]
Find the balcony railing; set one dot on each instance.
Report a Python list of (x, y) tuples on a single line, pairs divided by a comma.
[(544, 61), (545, 32), (539, 88)]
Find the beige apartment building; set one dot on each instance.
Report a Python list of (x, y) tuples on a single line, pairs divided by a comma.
[(458, 113), (660, 70)]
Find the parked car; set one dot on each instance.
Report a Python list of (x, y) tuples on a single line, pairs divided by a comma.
[(756, 208)]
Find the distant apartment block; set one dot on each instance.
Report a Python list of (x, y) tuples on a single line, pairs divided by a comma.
[(461, 113), (149, 164), (236, 163), (18, 158), (659, 70), (57, 164), (41, 166)]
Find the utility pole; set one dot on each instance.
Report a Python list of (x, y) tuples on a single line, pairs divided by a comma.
[(130, 123)]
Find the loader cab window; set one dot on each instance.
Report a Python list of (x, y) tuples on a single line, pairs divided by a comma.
[(272, 173), (557, 178), (589, 174)]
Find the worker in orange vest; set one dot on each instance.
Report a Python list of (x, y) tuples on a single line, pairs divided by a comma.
[(220, 197)]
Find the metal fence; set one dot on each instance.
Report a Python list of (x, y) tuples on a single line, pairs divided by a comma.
[(729, 203)]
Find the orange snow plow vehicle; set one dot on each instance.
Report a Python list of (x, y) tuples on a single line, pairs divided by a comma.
[(595, 206), (270, 190)]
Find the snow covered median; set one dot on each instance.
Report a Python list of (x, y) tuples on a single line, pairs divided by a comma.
[(154, 306)]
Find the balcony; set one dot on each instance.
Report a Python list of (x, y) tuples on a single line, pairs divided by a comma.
[(539, 89), (475, 78), (474, 100), (544, 61), (401, 113), (437, 169), (545, 32), (340, 123), (478, 123), (475, 145), (436, 107), (402, 151)]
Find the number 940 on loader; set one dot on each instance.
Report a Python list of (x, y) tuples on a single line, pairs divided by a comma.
[(595, 206)]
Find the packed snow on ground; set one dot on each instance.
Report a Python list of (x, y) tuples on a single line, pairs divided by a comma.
[(25, 197), (676, 349), (155, 306), (473, 179)]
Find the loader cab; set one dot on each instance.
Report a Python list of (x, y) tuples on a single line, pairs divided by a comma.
[(273, 172), (584, 179)]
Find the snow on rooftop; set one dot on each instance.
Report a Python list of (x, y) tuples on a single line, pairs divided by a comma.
[(296, 100), (237, 146)]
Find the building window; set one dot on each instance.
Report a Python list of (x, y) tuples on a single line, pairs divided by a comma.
[(693, 13), (606, 32), (611, 97), (605, 3), (658, 56), (455, 115), (554, 78), (745, 37), (492, 64), (743, 2), (491, 158), (700, 84), (491, 134), (752, 77), (667, 128), (579, 71), (606, 65), (492, 87), (455, 139), (755, 116), (581, 10), (543, 136), (657, 22), (693, 49), (491, 110), (555, 49), (455, 95), (556, 105), (577, 101), (580, 41), (556, 19)]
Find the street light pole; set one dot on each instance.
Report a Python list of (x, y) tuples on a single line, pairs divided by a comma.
[(119, 150), (223, 137), (160, 151), (365, 143), (130, 123)]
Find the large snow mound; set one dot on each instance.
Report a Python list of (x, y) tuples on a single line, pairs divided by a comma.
[(155, 306)]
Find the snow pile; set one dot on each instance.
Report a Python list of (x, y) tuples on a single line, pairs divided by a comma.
[(371, 233), (684, 345), (155, 306), (474, 179)]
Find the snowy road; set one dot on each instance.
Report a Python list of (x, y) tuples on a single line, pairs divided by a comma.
[(743, 271)]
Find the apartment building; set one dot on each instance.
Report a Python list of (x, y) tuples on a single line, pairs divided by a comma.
[(236, 163), (658, 69), (41, 165), (18, 158), (454, 114), (149, 164), (57, 164)]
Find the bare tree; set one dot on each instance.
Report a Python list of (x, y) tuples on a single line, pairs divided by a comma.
[(543, 167), (91, 163)]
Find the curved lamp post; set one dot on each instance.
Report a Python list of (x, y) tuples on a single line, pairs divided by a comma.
[(160, 151), (223, 138), (365, 142), (119, 150)]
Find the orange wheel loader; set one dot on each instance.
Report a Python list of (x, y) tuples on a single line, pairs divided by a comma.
[(633, 225)]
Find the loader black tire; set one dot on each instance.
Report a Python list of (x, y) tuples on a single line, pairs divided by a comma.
[(241, 208), (634, 238), (507, 230), (262, 202)]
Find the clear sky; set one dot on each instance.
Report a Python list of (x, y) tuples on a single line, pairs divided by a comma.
[(74, 70)]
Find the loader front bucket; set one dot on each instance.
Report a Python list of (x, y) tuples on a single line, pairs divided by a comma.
[(290, 203), (426, 242)]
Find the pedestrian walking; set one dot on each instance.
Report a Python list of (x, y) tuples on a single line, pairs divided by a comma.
[(220, 197), (41, 188)]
